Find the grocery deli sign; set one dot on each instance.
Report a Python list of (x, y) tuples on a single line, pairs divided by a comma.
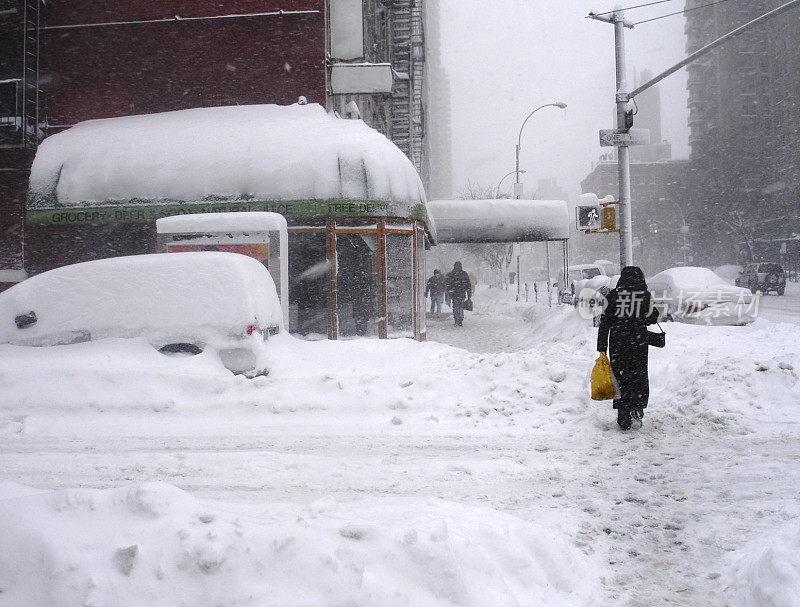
[(291, 209)]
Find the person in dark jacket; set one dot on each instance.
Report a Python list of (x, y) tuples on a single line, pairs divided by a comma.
[(459, 288), (435, 288), (627, 313)]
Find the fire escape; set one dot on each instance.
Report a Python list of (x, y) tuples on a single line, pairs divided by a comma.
[(408, 62), (31, 92), (21, 94)]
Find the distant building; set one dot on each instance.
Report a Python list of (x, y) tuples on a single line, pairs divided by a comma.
[(744, 127), (437, 173), (549, 189)]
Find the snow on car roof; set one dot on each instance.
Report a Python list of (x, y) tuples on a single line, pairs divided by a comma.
[(691, 278), (262, 152), (500, 220), (134, 295), (221, 222)]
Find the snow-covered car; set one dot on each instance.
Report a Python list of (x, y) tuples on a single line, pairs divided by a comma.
[(590, 295), (579, 275), (699, 296), (178, 302)]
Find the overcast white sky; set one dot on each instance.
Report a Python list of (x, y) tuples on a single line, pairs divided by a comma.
[(506, 57)]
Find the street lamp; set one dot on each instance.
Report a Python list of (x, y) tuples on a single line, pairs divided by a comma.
[(518, 185), (497, 190)]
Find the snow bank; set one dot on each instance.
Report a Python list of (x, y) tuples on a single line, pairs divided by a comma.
[(767, 573), (716, 379), (261, 152), (160, 297), (502, 220), (153, 544)]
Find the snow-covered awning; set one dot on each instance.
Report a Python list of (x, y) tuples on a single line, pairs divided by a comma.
[(500, 220), (300, 156)]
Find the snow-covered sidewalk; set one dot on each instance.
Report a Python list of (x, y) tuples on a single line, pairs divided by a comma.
[(373, 444)]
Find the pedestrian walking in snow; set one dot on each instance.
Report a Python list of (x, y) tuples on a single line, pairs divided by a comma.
[(436, 286), (627, 313), (459, 289)]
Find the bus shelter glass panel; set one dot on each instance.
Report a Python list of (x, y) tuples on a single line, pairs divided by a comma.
[(357, 284), (400, 284), (308, 273)]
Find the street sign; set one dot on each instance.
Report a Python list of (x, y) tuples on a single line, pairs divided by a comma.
[(616, 137)]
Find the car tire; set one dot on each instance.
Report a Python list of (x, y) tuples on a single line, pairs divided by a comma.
[(180, 348), (781, 291)]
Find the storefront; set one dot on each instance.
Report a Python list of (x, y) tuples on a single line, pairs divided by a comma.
[(357, 217)]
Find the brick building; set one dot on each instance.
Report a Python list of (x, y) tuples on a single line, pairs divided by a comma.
[(62, 62)]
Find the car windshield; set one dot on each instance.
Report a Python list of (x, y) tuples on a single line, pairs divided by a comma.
[(591, 273), (770, 267)]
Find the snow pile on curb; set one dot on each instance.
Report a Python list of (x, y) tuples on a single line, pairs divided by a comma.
[(768, 573), (153, 544), (728, 376)]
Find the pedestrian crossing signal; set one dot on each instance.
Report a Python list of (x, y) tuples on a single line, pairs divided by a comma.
[(589, 217)]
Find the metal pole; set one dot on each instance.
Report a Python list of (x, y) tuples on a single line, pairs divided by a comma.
[(623, 155), (565, 250), (518, 283), (518, 185), (547, 250)]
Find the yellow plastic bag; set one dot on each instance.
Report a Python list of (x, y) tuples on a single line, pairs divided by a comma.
[(602, 380)]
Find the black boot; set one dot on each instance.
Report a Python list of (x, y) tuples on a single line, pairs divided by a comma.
[(624, 418)]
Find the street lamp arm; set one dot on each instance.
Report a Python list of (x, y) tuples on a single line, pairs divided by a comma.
[(497, 189), (558, 104)]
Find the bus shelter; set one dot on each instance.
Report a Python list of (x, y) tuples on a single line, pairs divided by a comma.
[(504, 220), (357, 218)]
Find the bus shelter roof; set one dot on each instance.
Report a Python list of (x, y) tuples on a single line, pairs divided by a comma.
[(242, 155), (500, 220)]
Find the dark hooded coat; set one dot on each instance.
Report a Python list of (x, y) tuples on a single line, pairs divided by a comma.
[(623, 326), (459, 286)]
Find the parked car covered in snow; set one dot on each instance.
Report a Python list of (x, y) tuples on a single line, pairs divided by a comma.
[(178, 302), (764, 277), (699, 296)]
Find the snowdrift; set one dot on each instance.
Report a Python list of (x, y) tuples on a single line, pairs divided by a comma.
[(153, 544), (767, 573)]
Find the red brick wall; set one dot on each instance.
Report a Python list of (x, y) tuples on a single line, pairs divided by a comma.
[(107, 71), (14, 171)]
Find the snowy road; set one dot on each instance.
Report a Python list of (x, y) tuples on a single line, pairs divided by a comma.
[(662, 507), (662, 511), (785, 308)]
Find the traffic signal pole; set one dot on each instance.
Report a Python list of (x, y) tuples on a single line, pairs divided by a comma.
[(623, 152), (617, 19), (623, 97)]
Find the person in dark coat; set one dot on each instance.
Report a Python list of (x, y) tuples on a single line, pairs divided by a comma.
[(435, 288), (627, 313), (459, 288)]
